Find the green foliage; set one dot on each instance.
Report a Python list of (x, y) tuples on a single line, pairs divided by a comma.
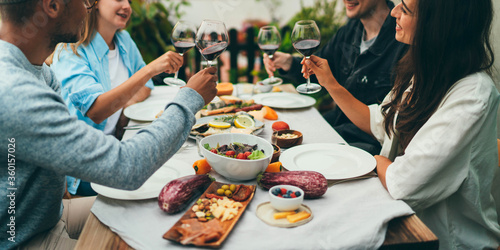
[(150, 27), (324, 13)]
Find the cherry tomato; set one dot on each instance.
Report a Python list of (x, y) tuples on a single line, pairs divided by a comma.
[(241, 156), (230, 153), (247, 154), (213, 150)]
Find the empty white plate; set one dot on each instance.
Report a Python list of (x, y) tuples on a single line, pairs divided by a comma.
[(334, 161)]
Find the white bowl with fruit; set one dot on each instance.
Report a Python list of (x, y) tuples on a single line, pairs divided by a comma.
[(232, 155), (286, 197)]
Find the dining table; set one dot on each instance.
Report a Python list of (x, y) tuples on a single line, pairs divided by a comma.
[(354, 214)]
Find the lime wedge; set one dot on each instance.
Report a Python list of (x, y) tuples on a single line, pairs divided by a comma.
[(244, 121), (218, 124)]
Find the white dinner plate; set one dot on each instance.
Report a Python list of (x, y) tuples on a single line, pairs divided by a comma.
[(334, 161), (145, 111), (284, 100), (171, 170), (207, 119)]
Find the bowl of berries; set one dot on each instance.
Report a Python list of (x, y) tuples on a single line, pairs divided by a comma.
[(237, 156), (286, 197)]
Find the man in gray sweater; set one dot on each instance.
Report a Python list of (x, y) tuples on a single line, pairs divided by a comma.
[(41, 143)]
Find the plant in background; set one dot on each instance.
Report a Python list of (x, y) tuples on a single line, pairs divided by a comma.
[(272, 5), (150, 27)]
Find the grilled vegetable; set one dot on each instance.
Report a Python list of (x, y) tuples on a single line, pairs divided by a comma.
[(176, 195), (313, 183)]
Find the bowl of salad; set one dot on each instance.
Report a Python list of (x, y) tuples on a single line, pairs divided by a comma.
[(237, 156)]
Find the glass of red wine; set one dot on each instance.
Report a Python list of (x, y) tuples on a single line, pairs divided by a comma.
[(212, 39), (306, 39), (269, 41), (183, 39)]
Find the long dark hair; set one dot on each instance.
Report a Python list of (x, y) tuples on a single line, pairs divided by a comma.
[(451, 41)]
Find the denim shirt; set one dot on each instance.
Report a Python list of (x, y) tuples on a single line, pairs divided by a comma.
[(85, 77)]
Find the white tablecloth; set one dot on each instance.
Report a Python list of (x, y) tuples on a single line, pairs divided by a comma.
[(350, 215)]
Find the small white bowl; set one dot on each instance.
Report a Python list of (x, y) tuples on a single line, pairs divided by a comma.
[(232, 168), (286, 204)]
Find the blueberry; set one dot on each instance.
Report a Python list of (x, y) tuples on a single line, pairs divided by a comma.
[(289, 192), (286, 196), (275, 191), (297, 193)]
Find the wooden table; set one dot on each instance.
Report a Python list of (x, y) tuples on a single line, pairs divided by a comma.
[(407, 232)]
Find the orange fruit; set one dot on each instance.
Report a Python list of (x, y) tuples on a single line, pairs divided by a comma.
[(270, 113), (274, 167), (201, 166), (224, 88)]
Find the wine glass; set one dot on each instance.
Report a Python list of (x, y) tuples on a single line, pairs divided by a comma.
[(306, 39), (183, 36), (212, 39), (269, 41)]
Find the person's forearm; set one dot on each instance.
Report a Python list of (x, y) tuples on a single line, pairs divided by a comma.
[(355, 110), (140, 96), (108, 103)]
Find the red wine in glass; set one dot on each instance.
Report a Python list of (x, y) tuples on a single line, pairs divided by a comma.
[(183, 47), (306, 39), (212, 39), (269, 41), (183, 39), (306, 47), (269, 49), (213, 51)]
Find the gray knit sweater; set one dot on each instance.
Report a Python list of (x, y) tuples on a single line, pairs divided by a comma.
[(40, 143)]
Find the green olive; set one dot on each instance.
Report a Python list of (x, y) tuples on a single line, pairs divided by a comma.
[(225, 187), (228, 193), (232, 187), (220, 191)]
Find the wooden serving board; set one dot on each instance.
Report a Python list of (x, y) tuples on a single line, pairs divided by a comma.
[(227, 225)]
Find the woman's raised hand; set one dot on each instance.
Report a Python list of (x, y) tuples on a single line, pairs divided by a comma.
[(169, 62), (319, 67)]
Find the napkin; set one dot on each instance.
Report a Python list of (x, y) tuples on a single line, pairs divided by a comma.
[(351, 215)]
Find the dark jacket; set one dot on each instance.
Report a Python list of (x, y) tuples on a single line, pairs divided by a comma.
[(367, 76)]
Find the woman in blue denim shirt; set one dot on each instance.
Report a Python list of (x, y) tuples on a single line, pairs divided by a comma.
[(104, 72)]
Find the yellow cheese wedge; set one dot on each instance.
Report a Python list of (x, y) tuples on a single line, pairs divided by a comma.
[(282, 215), (298, 217)]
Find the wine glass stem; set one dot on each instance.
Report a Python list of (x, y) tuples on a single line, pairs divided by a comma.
[(177, 72), (209, 63), (308, 77), (272, 76)]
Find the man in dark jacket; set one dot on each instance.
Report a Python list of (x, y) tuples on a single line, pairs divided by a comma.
[(361, 56)]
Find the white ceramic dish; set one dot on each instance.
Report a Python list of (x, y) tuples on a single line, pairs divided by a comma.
[(236, 169), (207, 119), (286, 204), (266, 212), (171, 170), (334, 161), (145, 111), (284, 100)]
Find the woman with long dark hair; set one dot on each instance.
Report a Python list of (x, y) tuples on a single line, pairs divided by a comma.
[(437, 126)]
